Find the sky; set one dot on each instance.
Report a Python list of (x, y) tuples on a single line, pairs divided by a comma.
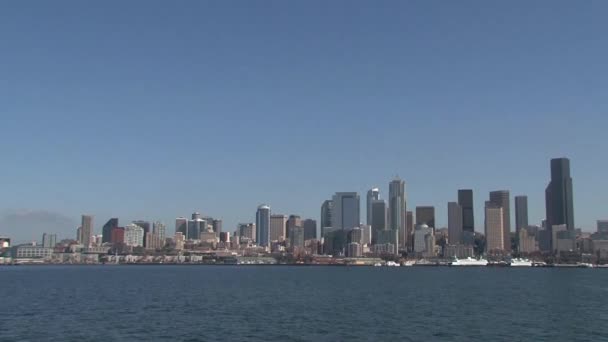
[(154, 109)]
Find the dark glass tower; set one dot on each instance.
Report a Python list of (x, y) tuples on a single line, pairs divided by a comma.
[(521, 212), (501, 198), (465, 200), (558, 195), (106, 231)]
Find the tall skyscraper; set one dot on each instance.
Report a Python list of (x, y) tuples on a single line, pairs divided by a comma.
[(558, 196), (501, 198), (310, 229), (145, 225), (372, 195), (217, 227), (278, 224), (379, 218), (86, 230), (292, 222), (465, 200), (346, 213), (326, 215), (454, 223), (160, 230), (425, 215), (397, 212), (262, 222), (106, 231), (494, 229), (521, 213), (181, 226), (602, 226)]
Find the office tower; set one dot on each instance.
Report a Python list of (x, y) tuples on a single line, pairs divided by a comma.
[(366, 238), (326, 215), (310, 229), (501, 198), (558, 196), (494, 227), (181, 226), (396, 212), (145, 225), (196, 215), (409, 228), (521, 212), (602, 226), (278, 223), (297, 238), (355, 235), (346, 210), (262, 222), (247, 231), (455, 213), (86, 230), (372, 195), (195, 226), (527, 241), (106, 231), (48, 240), (292, 222), (420, 238), (465, 200), (134, 235), (217, 227), (379, 218), (118, 235), (354, 250), (160, 229), (425, 215)]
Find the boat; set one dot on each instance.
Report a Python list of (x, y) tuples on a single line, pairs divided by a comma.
[(377, 264), (392, 264), (409, 263), (469, 262), (521, 263)]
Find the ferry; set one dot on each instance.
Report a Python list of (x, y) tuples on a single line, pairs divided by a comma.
[(469, 262), (521, 263), (392, 264)]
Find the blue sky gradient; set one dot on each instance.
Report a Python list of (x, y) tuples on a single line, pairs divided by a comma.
[(152, 110)]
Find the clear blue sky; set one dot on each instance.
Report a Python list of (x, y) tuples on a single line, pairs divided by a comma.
[(154, 109)]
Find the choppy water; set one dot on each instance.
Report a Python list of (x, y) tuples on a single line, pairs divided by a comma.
[(279, 303)]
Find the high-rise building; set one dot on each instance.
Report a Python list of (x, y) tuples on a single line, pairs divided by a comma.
[(346, 213), (292, 222), (217, 227), (195, 226), (397, 211), (118, 235), (106, 231), (247, 231), (262, 222), (527, 241), (425, 215), (86, 230), (465, 200), (326, 215), (372, 195), (353, 250), (278, 224), (48, 240), (181, 226), (310, 229), (134, 235), (421, 234), (494, 229), (602, 226), (409, 229), (521, 213), (296, 239), (379, 218), (558, 196), (454, 223), (501, 198), (160, 229), (145, 225), (355, 235)]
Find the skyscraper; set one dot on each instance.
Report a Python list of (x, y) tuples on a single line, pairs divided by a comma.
[(521, 213), (494, 229), (454, 223), (292, 222), (465, 200), (379, 218), (409, 229), (278, 224), (425, 215), (310, 229), (86, 230), (396, 211), (602, 226), (217, 227), (326, 215), (346, 213), (181, 226), (49, 240), (262, 222), (159, 230), (372, 195), (501, 198), (558, 196), (134, 235), (106, 231)]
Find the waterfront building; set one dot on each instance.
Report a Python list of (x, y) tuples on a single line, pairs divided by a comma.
[(106, 231), (326, 215), (527, 241), (558, 196), (346, 210), (521, 212), (262, 222), (278, 224), (397, 207), (179, 241), (372, 195), (384, 249), (458, 251), (134, 235), (354, 250), (49, 240), (494, 231), (454, 223), (31, 251), (86, 230)]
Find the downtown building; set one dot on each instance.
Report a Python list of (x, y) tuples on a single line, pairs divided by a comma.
[(501, 198), (559, 200), (262, 222), (465, 201), (397, 213)]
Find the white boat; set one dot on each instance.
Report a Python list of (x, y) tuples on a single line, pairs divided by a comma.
[(377, 264), (521, 263), (392, 264), (409, 263), (469, 262)]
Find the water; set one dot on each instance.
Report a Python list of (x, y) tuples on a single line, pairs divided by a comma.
[(280, 303)]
